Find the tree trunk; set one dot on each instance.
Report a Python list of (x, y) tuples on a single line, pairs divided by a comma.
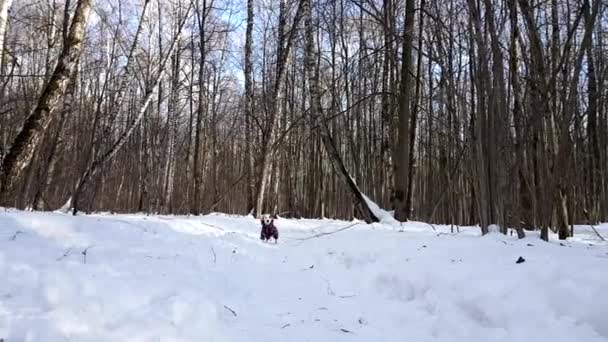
[(28, 140), (401, 166), (564, 156), (523, 209), (316, 112), (5, 5), (147, 99), (172, 131), (249, 106), (201, 15), (283, 49)]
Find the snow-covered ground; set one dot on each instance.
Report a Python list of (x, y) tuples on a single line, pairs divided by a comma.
[(161, 278)]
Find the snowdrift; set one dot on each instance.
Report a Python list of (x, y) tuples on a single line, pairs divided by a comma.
[(165, 278)]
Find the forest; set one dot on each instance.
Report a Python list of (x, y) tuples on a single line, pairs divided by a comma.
[(465, 112)]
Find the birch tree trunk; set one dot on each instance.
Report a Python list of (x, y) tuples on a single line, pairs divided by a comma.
[(5, 5), (172, 131)]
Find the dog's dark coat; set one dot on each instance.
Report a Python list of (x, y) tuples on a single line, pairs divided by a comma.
[(269, 231)]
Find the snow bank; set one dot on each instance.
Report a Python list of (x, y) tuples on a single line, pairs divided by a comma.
[(165, 278)]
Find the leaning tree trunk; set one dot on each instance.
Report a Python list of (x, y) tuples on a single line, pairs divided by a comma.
[(316, 113), (28, 140), (46, 179)]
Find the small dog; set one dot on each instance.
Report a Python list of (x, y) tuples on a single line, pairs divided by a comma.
[(268, 229)]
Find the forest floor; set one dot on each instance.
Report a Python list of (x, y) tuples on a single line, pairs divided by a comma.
[(136, 278)]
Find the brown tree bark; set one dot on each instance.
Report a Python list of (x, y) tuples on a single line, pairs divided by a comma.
[(283, 49), (248, 162), (147, 99), (22, 151), (401, 164), (316, 112)]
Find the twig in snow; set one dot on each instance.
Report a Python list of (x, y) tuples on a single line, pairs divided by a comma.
[(329, 289), (591, 225), (229, 309), (212, 226), (329, 233), (331, 292), (597, 233), (348, 296), (285, 326), (432, 226), (15, 235), (84, 254), (214, 255), (345, 331), (65, 254)]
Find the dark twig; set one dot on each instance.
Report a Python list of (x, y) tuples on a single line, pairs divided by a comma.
[(214, 255), (84, 253), (15, 235), (591, 225), (212, 226), (329, 289), (65, 254), (229, 309), (597, 233), (329, 233)]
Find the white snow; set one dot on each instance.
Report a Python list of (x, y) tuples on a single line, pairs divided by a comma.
[(166, 278)]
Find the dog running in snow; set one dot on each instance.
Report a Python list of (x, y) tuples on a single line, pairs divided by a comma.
[(268, 229)]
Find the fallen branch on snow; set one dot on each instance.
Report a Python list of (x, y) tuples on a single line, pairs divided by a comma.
[(212, 226), (15, 235), (430, 224), (591, 225), (329, 289), (65, 254), (214, 255), (597, 233), (329, 233), (229, 309), (331, 292), (348, 296), (84, 254)]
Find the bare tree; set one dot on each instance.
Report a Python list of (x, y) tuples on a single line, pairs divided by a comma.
[(401, 165), (28, 140)]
